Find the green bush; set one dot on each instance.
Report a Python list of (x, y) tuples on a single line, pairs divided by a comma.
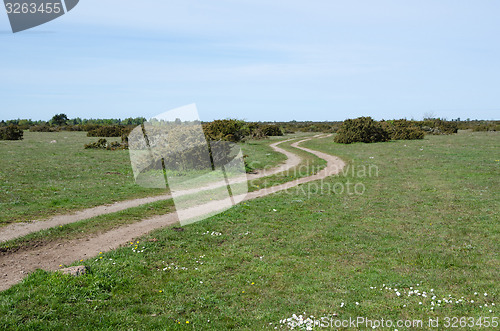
[(362, 129), (272, 130), (439, 126), (100, 144), (446, 127), (90, 127), (11, 132), (485, 127), (44, 128), (260, 131), (104, 144), (403, 130), (227, 130), (106, 131)]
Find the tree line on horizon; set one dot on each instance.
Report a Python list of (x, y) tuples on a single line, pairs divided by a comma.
[(235, 130)]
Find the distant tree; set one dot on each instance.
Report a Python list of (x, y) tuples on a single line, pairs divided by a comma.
[(59, 119)]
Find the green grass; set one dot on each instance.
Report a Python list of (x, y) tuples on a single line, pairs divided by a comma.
[(260, 155), (430, 217), (308, 165), (88, 227), (39, 179)]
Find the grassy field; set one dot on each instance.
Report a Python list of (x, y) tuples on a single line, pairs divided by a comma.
[(259, 149), (406, 217), (39, 178)]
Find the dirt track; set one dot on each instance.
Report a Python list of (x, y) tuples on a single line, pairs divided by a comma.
[(17, 230), (15, 266)]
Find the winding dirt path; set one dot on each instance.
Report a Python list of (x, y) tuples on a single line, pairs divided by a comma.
[(14, 267), (17, 230)]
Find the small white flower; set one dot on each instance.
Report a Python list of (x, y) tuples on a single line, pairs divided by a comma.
[(486, 294), (357, 303)]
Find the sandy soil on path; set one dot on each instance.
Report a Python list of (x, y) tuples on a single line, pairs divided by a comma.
[(15, 266)]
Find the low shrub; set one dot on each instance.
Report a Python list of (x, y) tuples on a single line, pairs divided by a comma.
[(485, 127), (438, 126), (100, 144), (44, 128), (76, 127), (403, 130), (106, 131), (362, 129), (11, 132), (104, 144), (227, 130), (90, 127), (446, 127), (272, 130), (257, 134), (260, 131)]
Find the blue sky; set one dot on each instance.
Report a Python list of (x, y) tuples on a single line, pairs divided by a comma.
[(257, 60)]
